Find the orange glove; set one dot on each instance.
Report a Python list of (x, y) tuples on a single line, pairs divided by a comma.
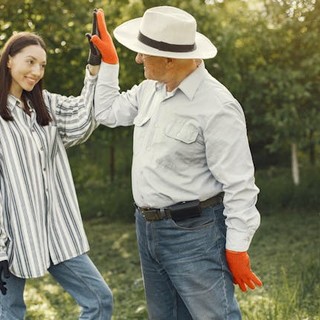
[(239, 265), (104, 43)]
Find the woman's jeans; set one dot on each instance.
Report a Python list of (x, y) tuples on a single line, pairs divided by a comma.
[(184, 268), (79, 277)]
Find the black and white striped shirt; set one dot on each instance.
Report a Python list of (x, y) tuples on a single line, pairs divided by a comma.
[(39, 213)]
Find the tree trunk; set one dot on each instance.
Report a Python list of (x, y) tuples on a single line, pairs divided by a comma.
[(295, 164)]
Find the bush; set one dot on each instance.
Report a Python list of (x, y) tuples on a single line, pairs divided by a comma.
[(277, 190), (112, 201)]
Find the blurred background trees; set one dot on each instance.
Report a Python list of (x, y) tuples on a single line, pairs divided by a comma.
[(268, 56)]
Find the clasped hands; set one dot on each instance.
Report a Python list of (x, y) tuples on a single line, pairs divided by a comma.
[(100, 41)]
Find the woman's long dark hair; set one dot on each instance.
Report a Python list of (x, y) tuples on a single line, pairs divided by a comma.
[(14, 45)]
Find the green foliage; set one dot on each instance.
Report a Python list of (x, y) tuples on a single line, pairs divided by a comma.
[(102, 174), (280, 253), (277, 191)]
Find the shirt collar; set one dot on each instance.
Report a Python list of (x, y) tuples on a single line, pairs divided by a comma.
[(13, 102), (191, 83)]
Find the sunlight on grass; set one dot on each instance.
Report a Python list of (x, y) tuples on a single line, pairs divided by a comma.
[(119, 245), (284, 253), (140, 309), (38, 305)]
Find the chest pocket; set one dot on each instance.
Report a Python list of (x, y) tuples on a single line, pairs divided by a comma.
[(185, 132), (140, 121)]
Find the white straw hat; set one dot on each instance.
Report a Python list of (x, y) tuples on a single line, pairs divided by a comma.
[(166, 32)]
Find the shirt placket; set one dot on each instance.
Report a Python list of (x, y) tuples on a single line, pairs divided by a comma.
[(35, 133)]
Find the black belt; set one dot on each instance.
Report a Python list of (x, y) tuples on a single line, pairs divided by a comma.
[(180, 211)]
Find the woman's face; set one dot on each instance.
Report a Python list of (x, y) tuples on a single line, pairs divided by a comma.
[(27, 69)]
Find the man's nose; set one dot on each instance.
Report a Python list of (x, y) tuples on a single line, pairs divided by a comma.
[(139, 58)]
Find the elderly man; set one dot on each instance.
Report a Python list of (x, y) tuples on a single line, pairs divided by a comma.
[(192, 172)]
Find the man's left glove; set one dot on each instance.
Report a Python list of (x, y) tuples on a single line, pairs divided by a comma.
[(4, 272), (94, 57), (239, 265)]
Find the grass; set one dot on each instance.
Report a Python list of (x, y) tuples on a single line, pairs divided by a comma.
[(284, 253)]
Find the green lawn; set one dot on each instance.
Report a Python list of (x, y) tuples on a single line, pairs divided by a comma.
[(285, 253)]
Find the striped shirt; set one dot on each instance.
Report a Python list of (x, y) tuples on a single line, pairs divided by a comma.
[(40, 219)]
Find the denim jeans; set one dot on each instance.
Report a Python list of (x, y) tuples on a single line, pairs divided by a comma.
[(79, 277), (184, 268)]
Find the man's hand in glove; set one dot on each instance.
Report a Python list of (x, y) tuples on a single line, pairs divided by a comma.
[(104, 42), (4, 272), (239, 265)]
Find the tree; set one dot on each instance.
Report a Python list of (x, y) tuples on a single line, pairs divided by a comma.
[(295, 59)]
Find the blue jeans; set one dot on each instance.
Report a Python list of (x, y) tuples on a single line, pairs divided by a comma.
[(79, 277), (184, 268)]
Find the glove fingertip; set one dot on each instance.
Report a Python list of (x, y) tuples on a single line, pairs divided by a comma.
[(96, 40), (256, 280), (250, 284), (242, 286)]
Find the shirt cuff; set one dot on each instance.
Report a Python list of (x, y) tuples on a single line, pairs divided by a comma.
[(89, 76), (109, 73), (238, 241)]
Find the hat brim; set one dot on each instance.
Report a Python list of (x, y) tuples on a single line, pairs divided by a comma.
[(127, 34)]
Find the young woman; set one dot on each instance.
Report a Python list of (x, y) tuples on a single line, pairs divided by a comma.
[(40, 224)]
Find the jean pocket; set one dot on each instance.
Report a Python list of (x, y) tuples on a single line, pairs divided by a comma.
[(194, 223)]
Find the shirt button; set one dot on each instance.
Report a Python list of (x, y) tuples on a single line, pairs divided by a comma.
[(44, 169)]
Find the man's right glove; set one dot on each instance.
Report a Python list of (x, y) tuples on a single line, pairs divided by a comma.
[(4, 271), (239, 265), (104, 42)]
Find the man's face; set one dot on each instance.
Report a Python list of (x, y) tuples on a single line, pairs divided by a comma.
[(154, 67)]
